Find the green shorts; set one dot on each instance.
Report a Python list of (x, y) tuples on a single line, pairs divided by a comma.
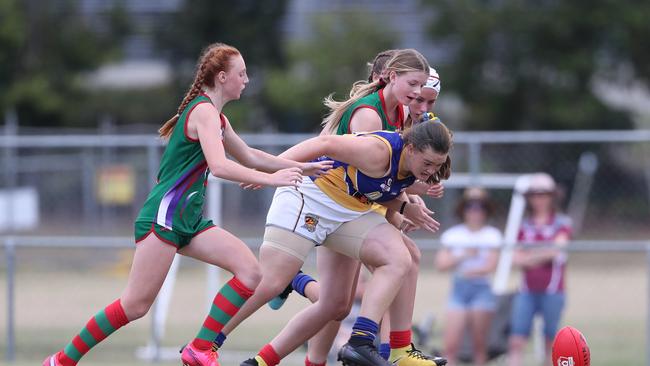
[(171, 237)]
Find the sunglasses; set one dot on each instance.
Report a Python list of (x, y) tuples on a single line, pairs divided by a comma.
[(474, 205)]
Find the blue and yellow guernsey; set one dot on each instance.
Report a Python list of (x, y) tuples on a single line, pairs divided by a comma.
[(356, 191)]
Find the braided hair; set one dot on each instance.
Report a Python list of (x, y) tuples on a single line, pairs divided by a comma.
[(214, 59)]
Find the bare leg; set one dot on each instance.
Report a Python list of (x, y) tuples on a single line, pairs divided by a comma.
[(151, 263), (384, 330), (278, 268), (547, 356), (382, 250), (221, 248), (312, 291), (480, 325), (150, 266), (517, 344), (335, 286), (455, 322), (321, 343), (401, 309)]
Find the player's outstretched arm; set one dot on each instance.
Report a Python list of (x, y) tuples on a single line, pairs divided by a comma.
[(263, 161), (205, 118), (366, 153)]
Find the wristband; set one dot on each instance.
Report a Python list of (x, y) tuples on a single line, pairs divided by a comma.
[(401, 209)]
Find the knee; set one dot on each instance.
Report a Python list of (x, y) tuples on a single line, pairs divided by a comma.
[(250, 276), (135, 308), (336, 310), (270, 287), (413, 249), (384, 253), (416, 254), (401, 262)]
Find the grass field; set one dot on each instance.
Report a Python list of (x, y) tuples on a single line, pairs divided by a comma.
[(607, 301)]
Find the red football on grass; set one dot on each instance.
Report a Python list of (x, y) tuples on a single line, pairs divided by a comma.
[(570, 348)]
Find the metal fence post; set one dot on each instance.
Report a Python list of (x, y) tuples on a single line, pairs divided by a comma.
[(215, 197), (474, 161), (647, 318), (156, 327), (10, 248)]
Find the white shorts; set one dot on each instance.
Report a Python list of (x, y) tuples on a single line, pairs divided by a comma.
[(309, 213)]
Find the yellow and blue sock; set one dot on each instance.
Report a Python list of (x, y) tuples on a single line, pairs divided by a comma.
[(384, 350), (364, 331)]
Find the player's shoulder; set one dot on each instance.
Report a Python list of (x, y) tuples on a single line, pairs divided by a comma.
[(204, 112), (366, 113)]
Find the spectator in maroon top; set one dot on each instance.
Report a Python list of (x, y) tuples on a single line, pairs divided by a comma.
[(540, 254)]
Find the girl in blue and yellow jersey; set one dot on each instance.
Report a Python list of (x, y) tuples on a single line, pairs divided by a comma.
[(372, 167), (396, 342), (377, 105), (171, 221)]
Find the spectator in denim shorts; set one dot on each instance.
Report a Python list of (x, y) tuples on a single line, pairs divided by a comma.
[(470, 250), (543, 235)]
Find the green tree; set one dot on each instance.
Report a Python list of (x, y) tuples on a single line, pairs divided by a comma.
[(329, 62), (254, 27), (532, 64), (45, 47)]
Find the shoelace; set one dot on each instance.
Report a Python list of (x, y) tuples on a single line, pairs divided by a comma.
[(417, 354), (215, 347)]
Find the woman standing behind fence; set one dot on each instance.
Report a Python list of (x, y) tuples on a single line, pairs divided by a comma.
[(542, 236), (198, 138), (470, 250)]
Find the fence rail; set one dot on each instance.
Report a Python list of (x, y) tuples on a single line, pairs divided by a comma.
[(63, 168)]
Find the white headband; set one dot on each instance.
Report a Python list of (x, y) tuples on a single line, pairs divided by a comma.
[(433, 81)]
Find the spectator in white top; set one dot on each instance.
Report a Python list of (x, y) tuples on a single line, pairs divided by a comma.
[(470, 250)]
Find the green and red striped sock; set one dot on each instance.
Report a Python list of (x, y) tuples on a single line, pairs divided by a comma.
[(225, 305), (96, 330)]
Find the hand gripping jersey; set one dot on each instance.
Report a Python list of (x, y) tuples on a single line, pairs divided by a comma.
[(176, 202), (376, 102), (356, 191)]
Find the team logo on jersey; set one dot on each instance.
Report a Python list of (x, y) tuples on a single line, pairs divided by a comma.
[(386, 185), (565, 361), (311, 221)]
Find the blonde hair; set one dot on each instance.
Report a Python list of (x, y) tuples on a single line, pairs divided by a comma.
[(402, 61), (214, 59), (378, 65)]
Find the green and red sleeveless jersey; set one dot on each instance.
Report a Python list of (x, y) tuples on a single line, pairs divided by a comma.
[(374, 101), (177, 200)]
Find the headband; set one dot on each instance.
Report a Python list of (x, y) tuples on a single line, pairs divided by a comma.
[(433, 81)]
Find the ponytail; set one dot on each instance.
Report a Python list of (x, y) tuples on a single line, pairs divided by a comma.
[(359, 90), (166, 130)]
